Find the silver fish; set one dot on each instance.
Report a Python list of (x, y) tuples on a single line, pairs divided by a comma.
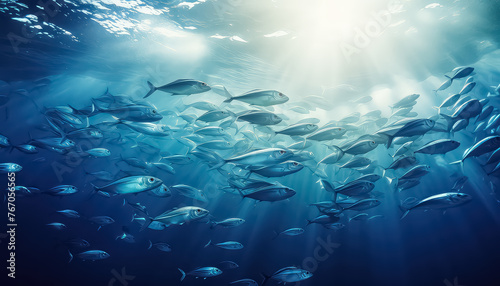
[(180, 87)]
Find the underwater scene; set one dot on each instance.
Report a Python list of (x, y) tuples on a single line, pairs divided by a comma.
[(238, 142)]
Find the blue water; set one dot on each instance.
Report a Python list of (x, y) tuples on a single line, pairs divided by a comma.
[(74, 51)]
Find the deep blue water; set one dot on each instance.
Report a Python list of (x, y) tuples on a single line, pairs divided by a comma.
[(73, 53)]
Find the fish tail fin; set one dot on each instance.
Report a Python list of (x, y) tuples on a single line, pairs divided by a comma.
[(229, 100), (183, 274), (449, 78), (208, 244), (406, 206), (308, 222), (276, 234), (266, 278), (389, 141), (150, 244), (220, 162), (146, 224), (152, 89), (70, 256)]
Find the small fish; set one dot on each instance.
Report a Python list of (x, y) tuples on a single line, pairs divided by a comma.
[(178, 216), (440, 146), (280, 170), (203, 272), (334, 226), (57, 225), (127, 237), (467, 88), (228, 265), (130, 185), (288, 275), (180, 87), (191, 192), (440, 201), (162, 246), (91, 255), (484, 146), (245, 282), (361, 216), (260, 97), (214, 115), (162, 191), (69, 213), (290, 232), (62, 190), (228, 223), (27, 149), (229, 245), (101, 175), (4, 141), (260, 117), (98, 152), (270, 193), (101, 221), (10, 168)]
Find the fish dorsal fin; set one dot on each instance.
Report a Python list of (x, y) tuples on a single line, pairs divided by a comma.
[(181, 80)]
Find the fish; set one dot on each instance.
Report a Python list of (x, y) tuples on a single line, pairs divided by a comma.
[(101, 221), (180, 87), (487, 110), (214, 115), (356, 162), (288, 275), (101, 175), (298, 129), (289, 232), (69, 213), (190, 192), (228, 223), (354, 188), (227, 265), (270, 193), (327, 134), (57, 225), (443, 85), (467, 88), (216, 145), (260, 97), (449, 101), (91, 255), (245, 282), (412, 128), (127, 237), (4, 141), (280, 170), (442, 201), (203, 272), (440, 146), (461, 72), (334, 226), (177, 216), (486, 145), (361, 216), (201, 105), (10, 168), (257, 159), (403, 149), (130, 185), (27, 149), (402, 162), (406, 101), (260, 117), (135, 113), (98, 152), (62, 190), (162, 246), (76, 243), (229, 245), (147, 128)]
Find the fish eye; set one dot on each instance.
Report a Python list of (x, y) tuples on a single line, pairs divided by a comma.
[(154, 111), (280, 94), (198, 210), (373, 142), (282, 152), (151, 180), (295, 163)]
